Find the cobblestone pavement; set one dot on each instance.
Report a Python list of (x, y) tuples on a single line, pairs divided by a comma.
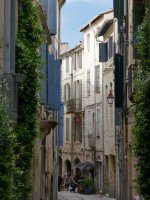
[(66, 195)]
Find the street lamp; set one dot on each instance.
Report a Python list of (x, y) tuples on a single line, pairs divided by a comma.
[(110, 98)]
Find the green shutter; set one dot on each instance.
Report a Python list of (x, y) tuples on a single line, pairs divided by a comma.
[(137, 17), (119, 10), (118, 81)]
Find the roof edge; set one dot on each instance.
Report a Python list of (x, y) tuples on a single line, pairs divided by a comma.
[(95, 18)]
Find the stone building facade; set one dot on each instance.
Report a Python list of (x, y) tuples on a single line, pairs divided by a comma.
[(84, 123)]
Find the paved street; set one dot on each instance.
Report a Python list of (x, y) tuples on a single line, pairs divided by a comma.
[(66, 195)]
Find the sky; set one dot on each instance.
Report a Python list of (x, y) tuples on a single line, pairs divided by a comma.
[(75, 14)]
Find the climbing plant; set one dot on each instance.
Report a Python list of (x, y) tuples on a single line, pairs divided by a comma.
[(7, 141), (141, 129), (28, 62)]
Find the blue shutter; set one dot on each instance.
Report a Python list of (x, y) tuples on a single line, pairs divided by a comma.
[(61, 124), (43, 91), (110, 51), (103, 52), (53, 83), (50, 81), (57, 84), (52, 17)]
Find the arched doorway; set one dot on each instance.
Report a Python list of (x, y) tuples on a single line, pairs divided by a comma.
[(68, 167), (76, 161), (60, 166)]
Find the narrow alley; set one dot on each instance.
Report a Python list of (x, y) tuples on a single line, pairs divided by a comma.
[(66, 195)]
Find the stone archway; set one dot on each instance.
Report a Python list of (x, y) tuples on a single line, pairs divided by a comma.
[(76, 161), (68, 167)]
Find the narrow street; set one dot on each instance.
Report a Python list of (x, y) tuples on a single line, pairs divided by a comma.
[(66, 195)]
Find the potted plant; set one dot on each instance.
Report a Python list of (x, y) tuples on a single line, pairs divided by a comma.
[(70, 102), (87, 184)]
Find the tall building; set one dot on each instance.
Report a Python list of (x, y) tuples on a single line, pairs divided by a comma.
[(82, 92), (72, 86), (106, 56)]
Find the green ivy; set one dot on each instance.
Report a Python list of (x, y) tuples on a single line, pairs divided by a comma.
[(28, 62), (7, 141), (141, 129)]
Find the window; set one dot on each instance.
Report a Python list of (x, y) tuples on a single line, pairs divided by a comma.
[(79, 59), (88, 82), (74, 61), (106, 50), (98, 124), (78, 93), (89, 123), (66, 92), (97, 79), (88, 42), (78, 129), (67, 64), (67, 129)]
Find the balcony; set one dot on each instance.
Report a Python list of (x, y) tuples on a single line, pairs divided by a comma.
[(74, 105)]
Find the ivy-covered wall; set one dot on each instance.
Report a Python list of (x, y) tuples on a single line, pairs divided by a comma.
[(28, 62), (141, 129)]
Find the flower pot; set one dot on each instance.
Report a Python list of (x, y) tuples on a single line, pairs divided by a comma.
[(86, 190)]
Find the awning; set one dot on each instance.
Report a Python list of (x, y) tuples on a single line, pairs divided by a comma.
[(83, 166), (104, 27)]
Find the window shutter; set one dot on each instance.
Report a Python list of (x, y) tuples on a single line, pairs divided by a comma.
[(68, 91), (80, 89), (80, 59), (57, 101), (74, 61), (61, 124), (74, 90), (67, 129), (52, 21), (97, 79), (53, 83), (118, 81), (65, 93), (50, 81), (118, 10), (103, 56), (67, 64), (88, 82), (110, 51), (43, 91), (80, 132), (98, 124)]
